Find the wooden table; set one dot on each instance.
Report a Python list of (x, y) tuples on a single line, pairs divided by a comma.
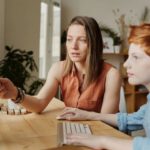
[(39, 131)]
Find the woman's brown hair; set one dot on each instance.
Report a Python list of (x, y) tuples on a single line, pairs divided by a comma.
[(94, 61), (141, 35)]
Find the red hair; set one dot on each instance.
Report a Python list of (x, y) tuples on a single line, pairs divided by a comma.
[(141, 35)]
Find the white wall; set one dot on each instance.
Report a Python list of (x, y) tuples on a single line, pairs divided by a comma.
[(22, 25), (2, 15), (22, 18), (102, 11)]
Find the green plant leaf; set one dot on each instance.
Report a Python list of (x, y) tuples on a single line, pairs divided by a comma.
[(18, 65)]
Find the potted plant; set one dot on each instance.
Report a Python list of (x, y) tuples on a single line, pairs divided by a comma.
[(116, 39), (117, 44), (108, 31), (18, 66)]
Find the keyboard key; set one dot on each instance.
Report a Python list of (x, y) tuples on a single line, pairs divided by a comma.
[(73, 128), (82, 129), (77, 128), (87, 129), (68, 127)]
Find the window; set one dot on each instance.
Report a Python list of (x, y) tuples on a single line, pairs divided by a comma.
[(43, 37), (56, 31), (49, 36)]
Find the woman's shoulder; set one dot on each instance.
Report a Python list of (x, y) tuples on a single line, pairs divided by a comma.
[(107, 65), (57, 68), (59, 65), (111, 70)]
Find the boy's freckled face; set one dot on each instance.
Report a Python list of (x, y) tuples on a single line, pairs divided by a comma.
[(138, 65)]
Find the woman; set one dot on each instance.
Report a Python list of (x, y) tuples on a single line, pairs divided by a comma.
[(137, 65), (79, 76)]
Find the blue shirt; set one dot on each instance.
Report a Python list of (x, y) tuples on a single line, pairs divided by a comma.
[(136, 121)]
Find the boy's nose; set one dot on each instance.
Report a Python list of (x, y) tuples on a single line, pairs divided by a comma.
[(126, 63)]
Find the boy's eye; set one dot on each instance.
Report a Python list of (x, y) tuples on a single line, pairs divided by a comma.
[(135, 57)]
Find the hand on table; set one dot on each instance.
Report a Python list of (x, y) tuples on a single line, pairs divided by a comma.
[(91, 141), (74, 114)]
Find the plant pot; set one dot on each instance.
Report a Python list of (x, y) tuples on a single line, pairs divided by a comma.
[(117, 48)]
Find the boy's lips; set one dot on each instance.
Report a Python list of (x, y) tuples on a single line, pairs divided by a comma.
[(129, 74)]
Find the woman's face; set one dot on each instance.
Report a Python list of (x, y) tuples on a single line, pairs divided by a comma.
[(77, 45), (138, 66)]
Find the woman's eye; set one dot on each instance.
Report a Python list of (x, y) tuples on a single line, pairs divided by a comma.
[(68, 40), (83, 40)]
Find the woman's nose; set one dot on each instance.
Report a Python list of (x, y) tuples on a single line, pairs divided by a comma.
[(74, 44)]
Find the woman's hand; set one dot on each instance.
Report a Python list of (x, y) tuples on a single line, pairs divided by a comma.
[(7, 89), (75, 114), (94, 142)]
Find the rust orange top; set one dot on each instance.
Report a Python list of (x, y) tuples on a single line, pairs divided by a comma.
[(91, 98)]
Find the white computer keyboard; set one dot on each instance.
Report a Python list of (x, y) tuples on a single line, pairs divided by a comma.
[(65, 128)]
